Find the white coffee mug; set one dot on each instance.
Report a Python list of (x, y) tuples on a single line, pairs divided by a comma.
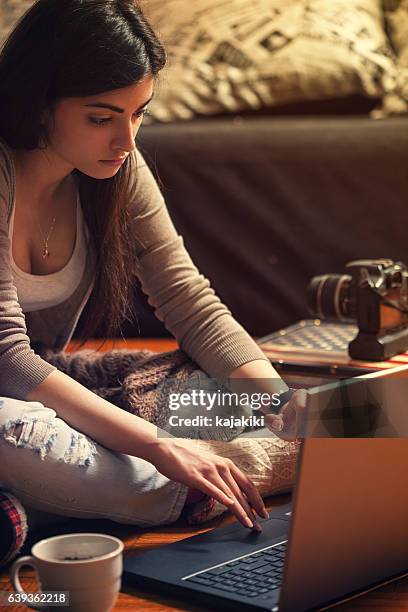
[(88, 566)]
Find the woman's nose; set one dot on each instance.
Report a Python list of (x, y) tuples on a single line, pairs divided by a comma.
[(125, 139)]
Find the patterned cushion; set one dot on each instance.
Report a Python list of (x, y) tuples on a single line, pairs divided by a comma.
[(10, 12), (239, 54), (396, 14), (232, 55)]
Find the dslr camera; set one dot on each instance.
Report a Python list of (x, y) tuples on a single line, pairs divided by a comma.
[(374, 294)]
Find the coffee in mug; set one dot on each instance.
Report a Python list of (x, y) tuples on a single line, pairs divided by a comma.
[(87, 567)]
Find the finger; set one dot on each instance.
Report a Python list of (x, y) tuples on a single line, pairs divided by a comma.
[(227, 500), (274, 422), (283, 424), (226, 480), (250, 490), (241, 508), (277, 425), (243, 501), (210, 489)]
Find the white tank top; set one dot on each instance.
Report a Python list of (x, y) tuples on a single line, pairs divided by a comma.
[(36, 292)]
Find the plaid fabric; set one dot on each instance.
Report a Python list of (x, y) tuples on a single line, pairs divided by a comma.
[(13, 527)]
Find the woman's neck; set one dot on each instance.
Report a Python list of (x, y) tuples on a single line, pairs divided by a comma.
[(42, 173)]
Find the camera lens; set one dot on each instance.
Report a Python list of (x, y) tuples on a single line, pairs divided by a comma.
[(328, 297)]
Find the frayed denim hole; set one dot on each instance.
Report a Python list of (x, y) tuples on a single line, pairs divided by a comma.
[(81, 450), (35, 434)]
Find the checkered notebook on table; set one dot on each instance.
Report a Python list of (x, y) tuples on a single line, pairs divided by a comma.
[(319, 346)]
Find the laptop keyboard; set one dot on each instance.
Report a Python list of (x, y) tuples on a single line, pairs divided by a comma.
[(256, 575)]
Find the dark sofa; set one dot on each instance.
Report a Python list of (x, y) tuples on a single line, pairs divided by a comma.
[(266, 202)]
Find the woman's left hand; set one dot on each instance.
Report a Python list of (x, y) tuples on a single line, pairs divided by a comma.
[(288, 424)]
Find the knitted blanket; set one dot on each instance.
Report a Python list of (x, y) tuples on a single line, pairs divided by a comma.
[(137, 381)]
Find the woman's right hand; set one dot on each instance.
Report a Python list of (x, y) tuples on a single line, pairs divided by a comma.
[(216, 476), (289, 423)]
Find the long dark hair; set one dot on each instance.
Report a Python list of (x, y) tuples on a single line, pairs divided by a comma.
[(77, 48)]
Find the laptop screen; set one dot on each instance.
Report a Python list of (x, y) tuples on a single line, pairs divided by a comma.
[(348, 530)]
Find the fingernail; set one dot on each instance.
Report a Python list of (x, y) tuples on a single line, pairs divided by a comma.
[(249, 523), (276, 424), (257, 527), (265, 514)]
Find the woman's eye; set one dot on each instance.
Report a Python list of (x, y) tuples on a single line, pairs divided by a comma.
[(100, 121), (141, 113)]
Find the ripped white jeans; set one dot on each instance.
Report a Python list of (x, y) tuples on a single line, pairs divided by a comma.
[(52, 468)]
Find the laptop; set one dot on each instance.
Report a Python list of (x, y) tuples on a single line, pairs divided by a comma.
[(344, 531)]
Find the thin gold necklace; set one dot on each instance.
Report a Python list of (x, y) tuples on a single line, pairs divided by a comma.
[(46, 252)]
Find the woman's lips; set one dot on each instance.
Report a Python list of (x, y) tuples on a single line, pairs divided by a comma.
[(113, 162)]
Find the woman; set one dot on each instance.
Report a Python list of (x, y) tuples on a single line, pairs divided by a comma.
[(80, 219)]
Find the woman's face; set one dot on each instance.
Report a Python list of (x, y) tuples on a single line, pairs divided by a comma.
[(87, 133)]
